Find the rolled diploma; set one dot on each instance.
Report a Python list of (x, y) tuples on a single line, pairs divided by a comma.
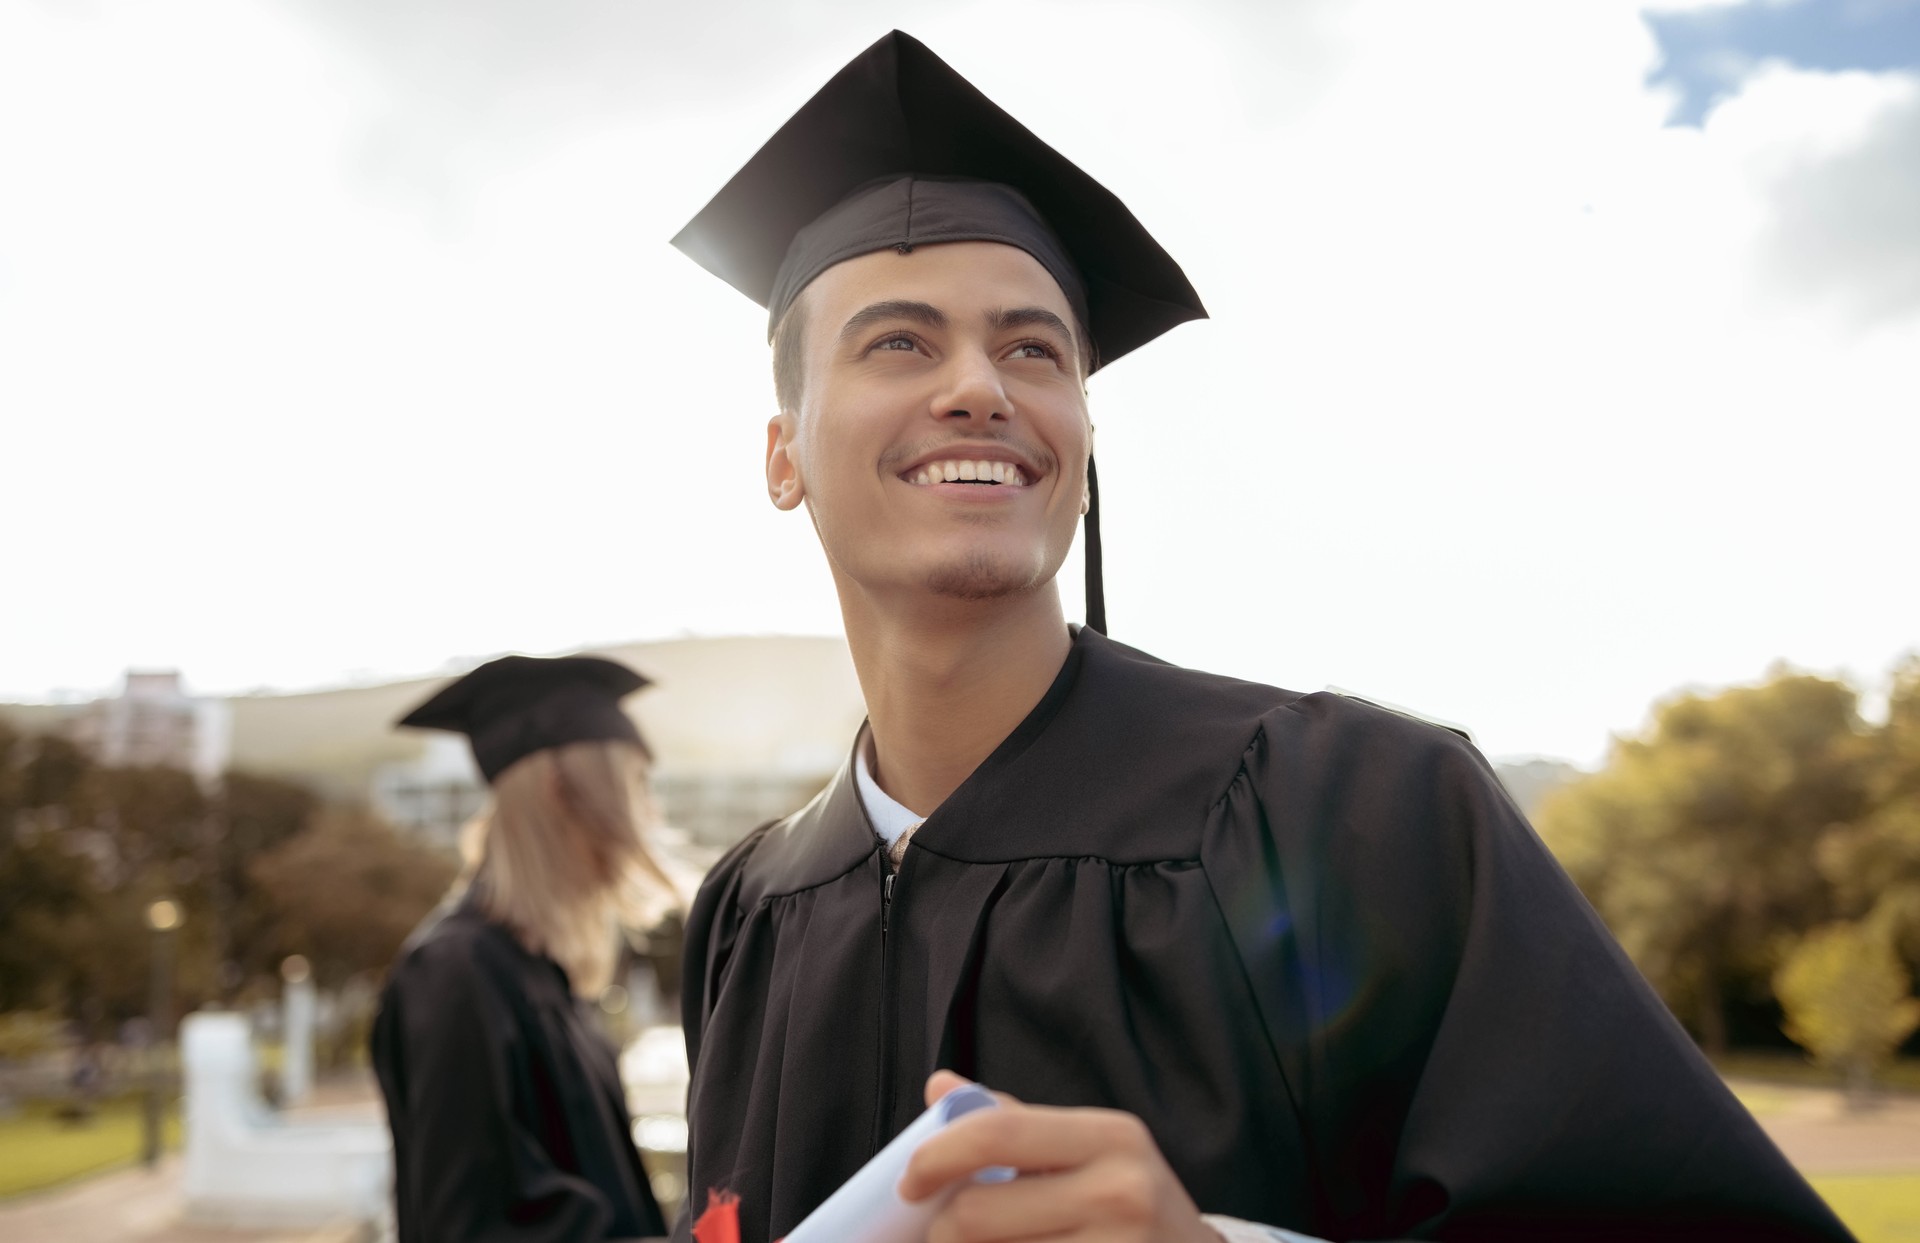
[(868, 1209)]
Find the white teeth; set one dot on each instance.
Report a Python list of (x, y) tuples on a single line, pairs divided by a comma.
[(953, 472)]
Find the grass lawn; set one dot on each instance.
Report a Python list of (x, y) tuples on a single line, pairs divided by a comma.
[(38, 1149), (1879, 1208)]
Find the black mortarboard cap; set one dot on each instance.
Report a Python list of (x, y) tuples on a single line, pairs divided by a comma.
[(516, 705), (888, 147), (897, 151)]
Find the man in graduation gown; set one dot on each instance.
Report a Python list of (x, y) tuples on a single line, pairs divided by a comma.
[(1246, 962)]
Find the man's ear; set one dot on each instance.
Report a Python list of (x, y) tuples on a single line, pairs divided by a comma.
[(784, 487)]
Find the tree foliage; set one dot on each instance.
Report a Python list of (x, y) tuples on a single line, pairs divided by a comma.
[(1848, 999), (1874, 864), (255, 863), (27, 1034), (1697, 841), (46, 889), (44, 893), (346, 892)]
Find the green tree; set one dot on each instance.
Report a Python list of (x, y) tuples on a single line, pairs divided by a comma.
[(347, 891), (84, 849), (1695, 842), (44, 894), (28, 1033), (156, 824), (44, 885), (1848, 1000), (1874, 864), (53, 772), (255, 816), (147, 832)]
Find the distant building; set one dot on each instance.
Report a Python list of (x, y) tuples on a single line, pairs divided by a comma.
[(744, 729), (716, 809), (154, 722), (433, 796), (436, 795)]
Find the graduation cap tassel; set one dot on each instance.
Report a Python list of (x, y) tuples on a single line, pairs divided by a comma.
[(1096, 587)]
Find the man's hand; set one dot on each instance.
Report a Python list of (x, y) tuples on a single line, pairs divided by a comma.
[(1084, 1174)]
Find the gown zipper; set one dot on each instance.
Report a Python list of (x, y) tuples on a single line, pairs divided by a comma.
[(883, 1097)]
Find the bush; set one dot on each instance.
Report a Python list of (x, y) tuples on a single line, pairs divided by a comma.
[(27, 1034), (1848, 1000)]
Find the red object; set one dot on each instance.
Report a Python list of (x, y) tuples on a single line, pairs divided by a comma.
[(721, 1222)]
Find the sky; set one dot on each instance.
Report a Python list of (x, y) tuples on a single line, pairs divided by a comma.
[(1561, 356)]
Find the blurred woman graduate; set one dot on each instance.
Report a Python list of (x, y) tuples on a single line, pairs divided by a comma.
[(509, 1121)]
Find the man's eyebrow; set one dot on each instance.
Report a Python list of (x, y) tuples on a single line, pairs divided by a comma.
[(922, 313), (1029, 317)]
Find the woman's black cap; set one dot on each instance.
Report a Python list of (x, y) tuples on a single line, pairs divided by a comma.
[(890, 154), (516, 705)]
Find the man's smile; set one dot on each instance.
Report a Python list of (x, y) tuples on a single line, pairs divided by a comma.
[(968, 470), (977, 465)]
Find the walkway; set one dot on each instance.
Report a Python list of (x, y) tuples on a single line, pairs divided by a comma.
[(1820, 1136), (134, 1205)]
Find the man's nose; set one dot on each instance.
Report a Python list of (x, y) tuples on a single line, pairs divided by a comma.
[(971, 390)]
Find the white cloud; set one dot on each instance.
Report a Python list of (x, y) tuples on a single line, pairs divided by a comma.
[(1835, 158)]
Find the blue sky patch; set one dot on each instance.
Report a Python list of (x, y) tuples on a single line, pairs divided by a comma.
[(1706, 53)]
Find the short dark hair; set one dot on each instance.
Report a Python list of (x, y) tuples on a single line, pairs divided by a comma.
[(790, 354)]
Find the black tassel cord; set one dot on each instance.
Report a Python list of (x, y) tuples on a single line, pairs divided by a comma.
[(1096, 584)]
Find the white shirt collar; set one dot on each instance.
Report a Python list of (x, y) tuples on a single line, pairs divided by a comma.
[(890, 818)]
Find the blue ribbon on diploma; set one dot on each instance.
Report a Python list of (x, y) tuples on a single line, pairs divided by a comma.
[(868, 1209)]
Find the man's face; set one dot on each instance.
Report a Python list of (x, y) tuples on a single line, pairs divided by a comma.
[(942, 438)]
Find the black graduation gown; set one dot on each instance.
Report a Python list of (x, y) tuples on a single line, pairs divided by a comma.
[(1310, 942), (509, 1121)]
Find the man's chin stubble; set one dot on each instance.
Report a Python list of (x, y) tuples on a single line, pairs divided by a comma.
[(978, 578)]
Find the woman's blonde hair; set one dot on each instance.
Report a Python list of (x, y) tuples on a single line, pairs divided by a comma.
[(560, 856)]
